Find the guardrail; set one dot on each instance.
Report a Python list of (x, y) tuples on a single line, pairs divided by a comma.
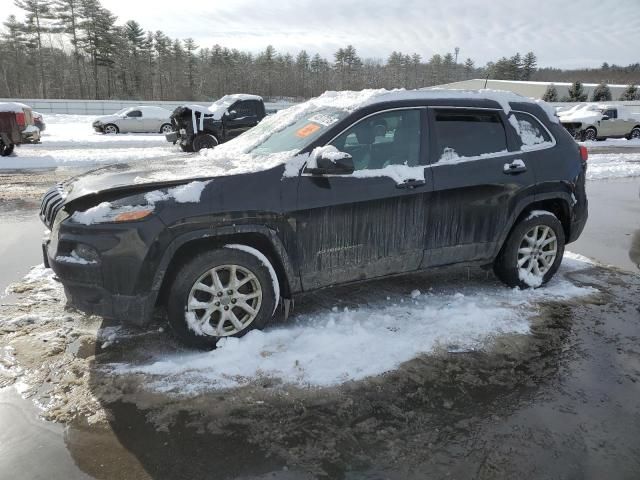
[(106, 107)]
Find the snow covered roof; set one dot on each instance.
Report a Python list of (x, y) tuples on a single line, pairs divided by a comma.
[(220, 106), (13, 107), (233, 157)]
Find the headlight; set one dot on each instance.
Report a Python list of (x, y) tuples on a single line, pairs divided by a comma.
[(109, 213)]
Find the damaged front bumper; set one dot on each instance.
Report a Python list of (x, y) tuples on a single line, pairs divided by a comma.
[(111, 280)]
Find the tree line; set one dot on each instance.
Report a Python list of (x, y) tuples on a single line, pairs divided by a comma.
[(75, 49), (601, 93)]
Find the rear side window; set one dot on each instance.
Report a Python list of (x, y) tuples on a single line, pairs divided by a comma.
[(531, 132), (468, 133)]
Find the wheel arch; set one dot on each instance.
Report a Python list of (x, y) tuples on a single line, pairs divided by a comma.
[(261, 238), (558, 204)]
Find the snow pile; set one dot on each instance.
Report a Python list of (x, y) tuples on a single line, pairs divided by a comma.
[(106, 211), (613, 165), (333, 346), (188, 193)]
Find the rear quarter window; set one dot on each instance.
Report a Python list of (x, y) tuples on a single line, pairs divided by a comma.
[(531, 132), (468, 133)]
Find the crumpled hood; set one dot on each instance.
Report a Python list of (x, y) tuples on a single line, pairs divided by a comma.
[(130, 177)]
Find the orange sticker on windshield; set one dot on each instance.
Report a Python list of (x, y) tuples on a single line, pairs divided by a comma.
[(307, 130)]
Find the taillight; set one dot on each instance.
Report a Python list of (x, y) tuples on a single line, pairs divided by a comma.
[(20, 119), (583, 153)]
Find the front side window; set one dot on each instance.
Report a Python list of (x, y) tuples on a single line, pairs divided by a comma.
[(468, 133), (531, 132), (134, 113), (388, 138), (244, 109)]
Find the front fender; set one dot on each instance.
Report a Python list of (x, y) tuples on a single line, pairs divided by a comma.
[(292, 280)]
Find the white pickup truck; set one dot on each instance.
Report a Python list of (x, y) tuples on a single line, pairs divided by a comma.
[(597, 122)]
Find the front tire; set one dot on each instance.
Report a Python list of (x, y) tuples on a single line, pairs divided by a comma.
[(220, 293), (635, 134), (204, 140), (111, 129), (533, 251)]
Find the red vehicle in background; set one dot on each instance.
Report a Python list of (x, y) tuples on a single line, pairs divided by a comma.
[(16, 127)]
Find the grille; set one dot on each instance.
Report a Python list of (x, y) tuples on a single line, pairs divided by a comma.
[(51, 204)]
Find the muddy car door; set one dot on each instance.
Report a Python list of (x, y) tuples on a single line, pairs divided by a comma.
[(371, 222), (241, 116), (477, 185)]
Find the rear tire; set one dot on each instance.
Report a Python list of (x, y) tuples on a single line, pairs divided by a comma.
[(198, 302), (6, 150), (166, 128), (533, 251), (204, 140)]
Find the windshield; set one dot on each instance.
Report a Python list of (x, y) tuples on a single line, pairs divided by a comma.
[(123, 111), (301, 133)]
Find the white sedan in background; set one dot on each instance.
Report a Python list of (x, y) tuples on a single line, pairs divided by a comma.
[(135, 120)]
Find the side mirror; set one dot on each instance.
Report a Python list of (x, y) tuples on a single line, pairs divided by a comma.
[(232, 114), (605, 117), (332, 164)]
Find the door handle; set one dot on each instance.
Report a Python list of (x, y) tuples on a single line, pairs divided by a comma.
[(515, 167), (411, 183)]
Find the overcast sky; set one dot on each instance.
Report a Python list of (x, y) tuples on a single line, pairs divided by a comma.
[(562, 33)]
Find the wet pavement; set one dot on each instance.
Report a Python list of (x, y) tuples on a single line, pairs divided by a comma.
[(561, 402)]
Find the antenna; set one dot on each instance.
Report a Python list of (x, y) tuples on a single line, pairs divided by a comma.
[(486, 80)]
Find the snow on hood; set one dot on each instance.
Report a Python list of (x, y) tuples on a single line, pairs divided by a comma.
[(233, 157), (15, 107), (108, 118)]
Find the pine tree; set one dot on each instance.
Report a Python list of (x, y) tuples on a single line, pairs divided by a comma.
[(469, 67), (551, 95), (67, 17), (577, 93), (35, 27), (515, 67), (190, 47), (601, 93), (529, 63), (631, 93)]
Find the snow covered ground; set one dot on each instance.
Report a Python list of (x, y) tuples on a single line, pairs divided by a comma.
[(69, 141), (329, 345)]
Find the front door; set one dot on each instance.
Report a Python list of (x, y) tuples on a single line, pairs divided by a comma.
[(243, 115), (369, 223), (477, 184)]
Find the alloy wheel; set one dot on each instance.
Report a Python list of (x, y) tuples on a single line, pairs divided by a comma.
[(166, 128), (110, 129), (538, 250), (635, 133), (224, 301)]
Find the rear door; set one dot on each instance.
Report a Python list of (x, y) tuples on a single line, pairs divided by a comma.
[(478, 185), (369, 223)]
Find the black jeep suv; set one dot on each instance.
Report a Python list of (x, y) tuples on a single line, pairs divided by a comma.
[(346, 187)]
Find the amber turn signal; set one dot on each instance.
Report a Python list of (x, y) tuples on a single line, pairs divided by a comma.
[(130, 216)]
